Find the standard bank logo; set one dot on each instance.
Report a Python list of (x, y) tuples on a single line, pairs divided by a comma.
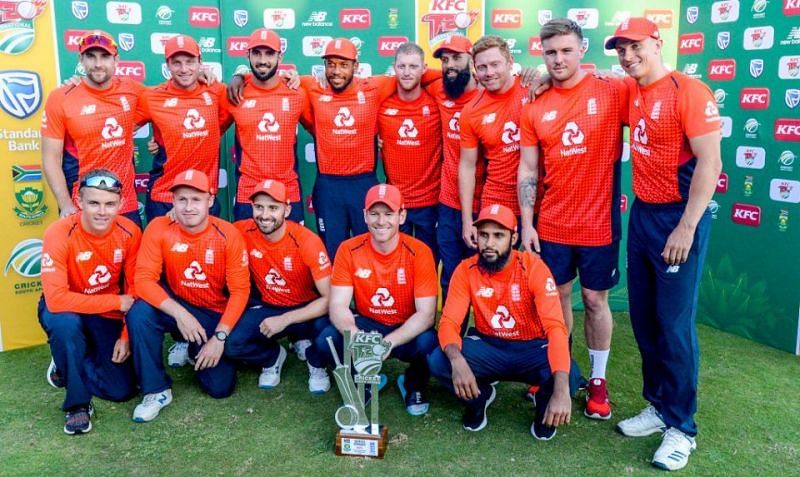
[(20, 92)]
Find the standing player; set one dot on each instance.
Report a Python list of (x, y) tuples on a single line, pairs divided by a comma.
[(490, 123), (291, 270), (520, 334), (90, 125), (187, 117), (86, 259), (393, 280), (205, 289), (410, 132), (675, 149), (266, 121), (575, 127)]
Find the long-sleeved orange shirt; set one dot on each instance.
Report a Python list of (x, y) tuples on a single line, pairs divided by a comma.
[(207, 269), (517, 303)]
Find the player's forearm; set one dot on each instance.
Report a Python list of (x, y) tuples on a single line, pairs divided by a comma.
[(527, 180), (453, 352), (51, 166), (63, 300), (342, 317), (415, 325), (701, 190), (561, 382), (466, 188), (171, 307), (312, 310)]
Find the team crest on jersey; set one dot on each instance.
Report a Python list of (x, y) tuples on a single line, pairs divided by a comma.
[(656, 112), (123, 101), (287, 264), (426, 111), (515, 293), (209, 256), (284, 104), (591, 106), (401, 276), (20, 92), (118, 255), (362, 98), (207, 99)]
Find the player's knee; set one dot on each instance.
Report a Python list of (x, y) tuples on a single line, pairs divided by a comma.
[(139, 315), (65, 326), (438, 363), (596, 303)]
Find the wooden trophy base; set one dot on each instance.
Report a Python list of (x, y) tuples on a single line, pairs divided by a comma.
[(362, 445)]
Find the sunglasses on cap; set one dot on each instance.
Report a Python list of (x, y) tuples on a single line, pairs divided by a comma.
[(102, 182), (97, 40)]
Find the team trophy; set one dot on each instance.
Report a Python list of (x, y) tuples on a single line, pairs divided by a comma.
[(359, 435)]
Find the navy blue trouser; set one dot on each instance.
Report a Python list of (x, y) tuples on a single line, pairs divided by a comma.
[(495, 359), (153, 209), (414, 352), (421, 224), (339, 205), (82, 347), (248, 345), (663, 304), (244, 210), (146, 327)]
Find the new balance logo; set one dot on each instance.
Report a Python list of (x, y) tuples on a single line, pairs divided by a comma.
[(83, 256), (179, 247), (549, 116), (673, 269), (363, 273), (88, 109), (485, 292), (170, 102)]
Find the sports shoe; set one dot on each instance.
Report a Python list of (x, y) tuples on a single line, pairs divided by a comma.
[(416, 404), (271, 377), (530, 393), (79, 420), (151, 405), (54, 378), (597, 405), (674, 451), (318, 380), (541, 432), (475, 419), (178, 356), (300, 347), (645, 423)]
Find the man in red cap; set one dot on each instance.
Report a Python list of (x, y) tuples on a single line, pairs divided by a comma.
[(392, 278), (675, 150), (266, 119), (291, 271), (89, 124), (519, 332), (205, 288)]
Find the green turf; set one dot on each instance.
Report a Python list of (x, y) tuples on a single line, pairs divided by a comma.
[(749, 420)]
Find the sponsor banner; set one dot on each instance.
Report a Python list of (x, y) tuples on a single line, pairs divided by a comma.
[(438, 19)]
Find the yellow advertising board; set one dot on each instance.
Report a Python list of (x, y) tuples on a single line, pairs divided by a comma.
[(438, 19), (27, 72)]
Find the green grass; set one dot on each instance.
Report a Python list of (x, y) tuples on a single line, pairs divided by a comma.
[(749, 418)]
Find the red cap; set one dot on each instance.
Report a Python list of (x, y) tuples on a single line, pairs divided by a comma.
[(181, 44), (499, 214), (274, 189), (634, 29), (342, 48), (266, 38), (454, 43), (384, 194), (192, 178), (98, 39)]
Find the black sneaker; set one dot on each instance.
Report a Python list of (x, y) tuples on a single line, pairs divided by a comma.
[(54, 378), (416, 404), (475, 419), (541, 432), (79, 420)]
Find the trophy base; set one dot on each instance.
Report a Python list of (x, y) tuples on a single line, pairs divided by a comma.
[(362, 445)]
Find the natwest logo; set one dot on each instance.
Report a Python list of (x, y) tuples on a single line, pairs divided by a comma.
[(754, 98), (535, 46), (722, 70), (787, 130), (746, 214), (506, 18), (355, 18), (237, 45), (388, 44), (691, 43), (204, 16), (72, 39), (131, 69), (791, 7)]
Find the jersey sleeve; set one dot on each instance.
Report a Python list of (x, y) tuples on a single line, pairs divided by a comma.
[(225, 116), (315, 257), (425, 278), (623, 88), (548, 308), (130, 260), (469, 137), (53, 118), (143, 114), (455, 308), (306, 113), (342, 269), (697, 109), (237, 278), (149, 263), (528, 138)]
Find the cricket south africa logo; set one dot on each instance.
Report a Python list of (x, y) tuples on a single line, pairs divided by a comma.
[(17, 33)]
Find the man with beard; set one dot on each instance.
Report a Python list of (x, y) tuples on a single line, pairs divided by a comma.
[(266, 120), (520, 333), (89, 125), (291, 271), (411, 145)]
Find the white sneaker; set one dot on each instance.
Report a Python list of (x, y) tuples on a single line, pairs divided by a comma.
[(271, 377), (318, 380), (645, 423), (300, 348), (178, 354), (674, 451), (151, 405)]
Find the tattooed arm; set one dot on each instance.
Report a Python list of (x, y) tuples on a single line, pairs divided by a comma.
[(527, 179)]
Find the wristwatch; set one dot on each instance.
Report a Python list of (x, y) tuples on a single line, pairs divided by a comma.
[(221, 335)]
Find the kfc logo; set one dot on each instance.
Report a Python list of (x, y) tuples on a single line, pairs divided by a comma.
[(387, 45), (722, 183), (238, 45), (535, 46), (662, 18), (506, 18), (691, 43), (754, 98), (130, 69), (355, 18), (722, 70), (140, 182), (791, 7), (746, 214), (787, 130), (72, 39), (207, 17)]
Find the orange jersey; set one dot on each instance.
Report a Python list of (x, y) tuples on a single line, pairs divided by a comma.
[(385, 286), (285, 271), (491, 122), (97, 129), (207, 269), (450, 113), (579, 134), (663, 117), (518, 303), (412, 147), (266, 133), (188, 124), (85, 273)]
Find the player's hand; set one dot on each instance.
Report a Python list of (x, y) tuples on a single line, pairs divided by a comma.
[(380, 143), (470, 234), (74, 80), (539, 86), (530, 239), (292, 78), (463, 380), (236, 89), (190, 328), (206, 76), (679, 242), (209, 354), (67, 210), (559, 409), (528, 75), (173, 216), (603, 74), (273, 325), (122, 351), (152, 147), (126, 302), (321, 79)]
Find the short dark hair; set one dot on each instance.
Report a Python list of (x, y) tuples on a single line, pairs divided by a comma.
[(558, 27)]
